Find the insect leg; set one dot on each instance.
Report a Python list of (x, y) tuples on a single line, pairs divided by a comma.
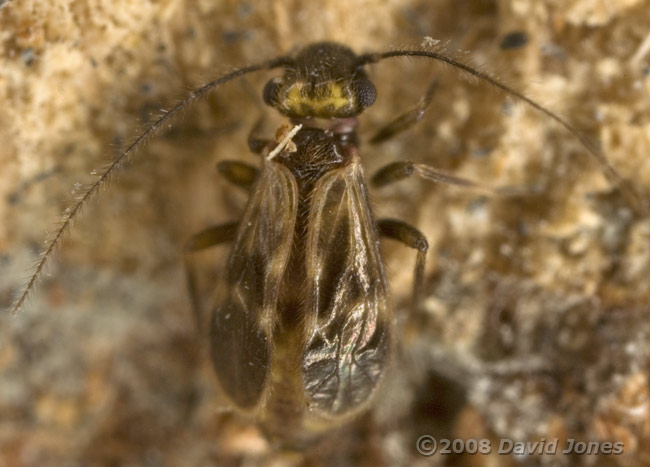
[(87, 193), (400, 170), (238, 173), (407, 119), (633, 198), (255, 143), (413, 238), (207, 238)]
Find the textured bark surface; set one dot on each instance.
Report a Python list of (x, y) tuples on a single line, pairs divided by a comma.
[(536, 322)]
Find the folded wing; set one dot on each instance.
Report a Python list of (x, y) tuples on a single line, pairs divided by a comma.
[(243, 318), (346, 306)]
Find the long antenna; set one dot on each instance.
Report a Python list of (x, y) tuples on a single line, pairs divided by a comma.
[(71, 213), (608, 170)]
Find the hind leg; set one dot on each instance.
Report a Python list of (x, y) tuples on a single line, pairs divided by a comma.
[(413, 238)]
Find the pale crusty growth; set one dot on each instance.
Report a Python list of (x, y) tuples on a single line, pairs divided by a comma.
[(102, 365)]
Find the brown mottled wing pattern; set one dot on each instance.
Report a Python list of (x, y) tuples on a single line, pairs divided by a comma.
[(346, 307), (243, 317)]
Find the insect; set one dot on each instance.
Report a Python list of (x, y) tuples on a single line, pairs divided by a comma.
[(300, 333)]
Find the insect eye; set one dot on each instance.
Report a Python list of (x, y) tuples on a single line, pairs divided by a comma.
[(365, 92), (271, 90)]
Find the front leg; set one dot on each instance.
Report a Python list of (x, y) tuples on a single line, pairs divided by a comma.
[(406, 120), (255, 143)]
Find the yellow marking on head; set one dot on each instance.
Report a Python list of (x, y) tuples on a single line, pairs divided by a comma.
[(334, 98)]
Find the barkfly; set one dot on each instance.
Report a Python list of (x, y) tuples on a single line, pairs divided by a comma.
[(300, 332), (300, 329)]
